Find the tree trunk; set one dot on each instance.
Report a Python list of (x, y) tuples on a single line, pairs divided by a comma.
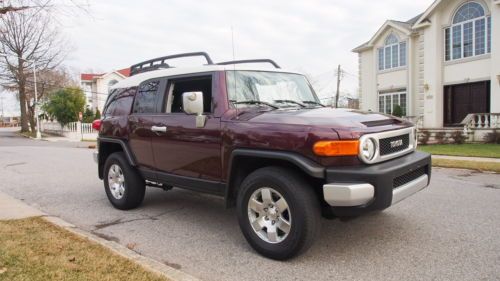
[(31, 116), (22, 104)]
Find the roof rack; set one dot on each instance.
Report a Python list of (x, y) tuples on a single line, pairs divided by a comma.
[(160, 62), (250, 61)]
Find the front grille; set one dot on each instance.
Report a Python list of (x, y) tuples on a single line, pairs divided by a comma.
[(394, 144), (408, 177)]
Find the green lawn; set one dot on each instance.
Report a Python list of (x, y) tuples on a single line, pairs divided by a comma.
[(472, 150)]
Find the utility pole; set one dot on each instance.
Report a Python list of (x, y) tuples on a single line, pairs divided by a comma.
[(339, 73)]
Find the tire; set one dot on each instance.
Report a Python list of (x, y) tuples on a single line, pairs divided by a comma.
[(303, 213), (127, 192)]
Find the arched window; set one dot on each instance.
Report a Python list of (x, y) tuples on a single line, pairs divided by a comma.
[(393, 54), (470, 33)]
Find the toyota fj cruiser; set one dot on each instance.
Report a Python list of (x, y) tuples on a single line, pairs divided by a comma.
[(259, 138)]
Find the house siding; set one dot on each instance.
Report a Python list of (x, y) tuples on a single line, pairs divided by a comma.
[(427, 72)]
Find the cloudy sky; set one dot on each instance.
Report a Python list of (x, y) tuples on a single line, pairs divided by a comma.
[(309, 36)]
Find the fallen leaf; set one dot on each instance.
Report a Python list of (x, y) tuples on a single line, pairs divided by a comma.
[(3, 270), (131, 246)]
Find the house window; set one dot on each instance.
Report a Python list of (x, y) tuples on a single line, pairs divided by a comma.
[(388, 101), (470, 33), (393, 54)]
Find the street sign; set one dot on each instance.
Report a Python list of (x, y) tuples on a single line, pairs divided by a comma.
[(80, 116)]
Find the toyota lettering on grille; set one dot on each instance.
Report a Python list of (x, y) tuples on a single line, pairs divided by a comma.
[(396, 143)]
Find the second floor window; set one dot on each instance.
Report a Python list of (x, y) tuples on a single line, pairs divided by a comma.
[(393, 54), (470, 33)]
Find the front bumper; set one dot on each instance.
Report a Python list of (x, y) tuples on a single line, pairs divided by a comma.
[(352, 191)]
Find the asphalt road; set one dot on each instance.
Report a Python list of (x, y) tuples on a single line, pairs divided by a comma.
[(450, 231)]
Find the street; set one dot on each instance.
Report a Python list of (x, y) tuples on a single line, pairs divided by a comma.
[(449, 231)]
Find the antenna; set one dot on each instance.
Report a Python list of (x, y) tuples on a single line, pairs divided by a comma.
[(234, 74)]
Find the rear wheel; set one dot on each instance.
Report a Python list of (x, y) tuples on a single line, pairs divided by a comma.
[(124, 185), (278, 212)]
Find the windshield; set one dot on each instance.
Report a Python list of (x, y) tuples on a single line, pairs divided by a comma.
[(271, 88)]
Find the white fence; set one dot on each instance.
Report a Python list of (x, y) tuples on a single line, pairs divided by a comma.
[(73, 130)]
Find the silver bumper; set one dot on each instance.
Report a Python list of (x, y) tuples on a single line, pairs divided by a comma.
[(96, 156), (356, 194)]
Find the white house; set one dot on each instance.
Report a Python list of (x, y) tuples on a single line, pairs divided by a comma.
[(96, 86), (439, 66)]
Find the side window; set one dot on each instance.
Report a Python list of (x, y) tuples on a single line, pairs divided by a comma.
[(177, 87), (123, 105), (110, 102), (120, 102), (145, 99)]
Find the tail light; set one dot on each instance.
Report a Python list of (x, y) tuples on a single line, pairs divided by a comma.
[(96, 125)]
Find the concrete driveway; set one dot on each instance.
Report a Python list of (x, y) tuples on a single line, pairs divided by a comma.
[(450, 231)]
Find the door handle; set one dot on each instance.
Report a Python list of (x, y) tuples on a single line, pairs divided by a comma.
[(159, 129)]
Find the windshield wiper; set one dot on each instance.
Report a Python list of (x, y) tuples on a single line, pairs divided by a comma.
[(290, 101), (254, 102), (313, 102)]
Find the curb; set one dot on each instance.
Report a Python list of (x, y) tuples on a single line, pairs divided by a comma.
[(148, 263)]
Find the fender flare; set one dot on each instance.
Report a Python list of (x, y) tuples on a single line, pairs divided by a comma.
[(308, 166), (125, 147)]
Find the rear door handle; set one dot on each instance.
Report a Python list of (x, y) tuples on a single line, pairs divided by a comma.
[(159, 129)]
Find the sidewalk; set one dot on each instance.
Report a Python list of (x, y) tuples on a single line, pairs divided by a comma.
[(13, 209), (462, 158)]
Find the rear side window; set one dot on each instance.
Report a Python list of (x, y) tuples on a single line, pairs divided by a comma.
[(145, 100), (120, 102)]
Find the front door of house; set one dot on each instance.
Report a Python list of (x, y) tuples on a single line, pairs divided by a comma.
[(462, 99)]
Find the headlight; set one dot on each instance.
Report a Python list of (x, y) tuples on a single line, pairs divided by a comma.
[(368, 149)]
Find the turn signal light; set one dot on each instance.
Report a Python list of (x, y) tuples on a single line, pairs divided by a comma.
[(336, 148)]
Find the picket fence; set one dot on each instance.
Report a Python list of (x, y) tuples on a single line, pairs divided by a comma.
[(73, 130)]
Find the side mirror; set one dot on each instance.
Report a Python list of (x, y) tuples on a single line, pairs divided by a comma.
[(192, 103)]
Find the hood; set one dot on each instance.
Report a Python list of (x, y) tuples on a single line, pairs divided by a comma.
[(326, 117)]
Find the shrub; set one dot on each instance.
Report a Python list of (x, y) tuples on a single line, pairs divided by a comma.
[(65, 104), (440, 137), (88, 115), (458, 137), (424, 137), (397, 111), (97, 114), (493, 137)]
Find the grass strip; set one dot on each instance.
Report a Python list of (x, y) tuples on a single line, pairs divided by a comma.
[(472, 165), (34, 249), (468, 150)]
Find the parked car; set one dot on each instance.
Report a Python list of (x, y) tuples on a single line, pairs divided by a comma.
[(259, 138)]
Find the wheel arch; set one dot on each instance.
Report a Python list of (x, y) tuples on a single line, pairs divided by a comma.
[(244, 161), (107, 146)]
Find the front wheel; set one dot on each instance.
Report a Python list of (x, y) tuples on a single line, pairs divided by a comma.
[(278, 212), (124, 185)]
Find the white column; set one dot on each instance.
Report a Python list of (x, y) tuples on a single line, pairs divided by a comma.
[(495, 57)]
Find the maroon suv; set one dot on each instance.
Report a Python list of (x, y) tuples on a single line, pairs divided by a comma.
[(261, 139)]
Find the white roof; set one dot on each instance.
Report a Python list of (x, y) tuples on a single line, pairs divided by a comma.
[(135, 80)]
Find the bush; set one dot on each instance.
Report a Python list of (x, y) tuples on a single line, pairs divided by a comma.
[(458, 137), (65, 104), (97, 114), (397, 111), (424, 137), (440, 137), (493, 137), (88, 115)]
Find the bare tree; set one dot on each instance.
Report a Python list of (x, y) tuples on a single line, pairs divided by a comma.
[(9, 6), (27, 39)]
